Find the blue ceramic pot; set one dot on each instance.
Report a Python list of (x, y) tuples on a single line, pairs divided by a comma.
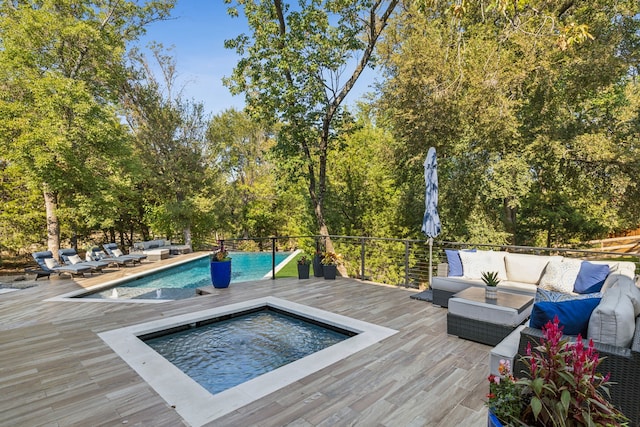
[(492, 420), (221, 274)]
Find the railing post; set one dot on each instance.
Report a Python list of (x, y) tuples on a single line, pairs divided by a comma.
[(273, 258), (362, 252), (406, 263)]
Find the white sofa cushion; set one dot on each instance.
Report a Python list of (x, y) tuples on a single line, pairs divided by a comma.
[(613, 320), (527, 268), (476, 263), (560, 276)]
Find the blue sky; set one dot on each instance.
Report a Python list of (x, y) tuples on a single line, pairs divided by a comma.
[(197, 33)]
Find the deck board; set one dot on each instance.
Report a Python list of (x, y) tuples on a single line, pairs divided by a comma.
[(55, 370)]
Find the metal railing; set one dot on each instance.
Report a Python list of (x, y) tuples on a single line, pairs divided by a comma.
[(400, 262)]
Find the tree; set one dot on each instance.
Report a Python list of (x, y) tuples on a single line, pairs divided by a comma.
[(61, 64), (294, 70), (169, 134), (256, 201), (524, 102)]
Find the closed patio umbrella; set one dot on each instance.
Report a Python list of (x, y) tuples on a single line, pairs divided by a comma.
[(431, 220)]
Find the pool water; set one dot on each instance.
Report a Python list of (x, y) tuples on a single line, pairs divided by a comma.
[(226, 353), (182, 280)]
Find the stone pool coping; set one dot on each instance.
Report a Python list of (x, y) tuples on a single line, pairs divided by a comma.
[(195, 404)]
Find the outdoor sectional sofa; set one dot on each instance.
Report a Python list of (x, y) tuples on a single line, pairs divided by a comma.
[(614, 327), (518, 273), (604, 307), (151, 245)]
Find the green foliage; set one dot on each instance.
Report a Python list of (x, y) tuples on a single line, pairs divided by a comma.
[(490, 278), (61, 67), (530, 117)]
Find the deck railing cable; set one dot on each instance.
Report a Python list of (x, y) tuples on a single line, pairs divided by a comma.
[(401, 262)]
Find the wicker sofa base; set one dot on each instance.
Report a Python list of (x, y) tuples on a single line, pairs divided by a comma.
[(441, 297), (477, 330)]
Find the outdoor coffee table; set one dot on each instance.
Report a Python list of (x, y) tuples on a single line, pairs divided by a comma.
[(472, 316)]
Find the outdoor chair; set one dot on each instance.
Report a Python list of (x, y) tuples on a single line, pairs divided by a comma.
[(48, 265), (70, 257), (113, 251), (97, 254)]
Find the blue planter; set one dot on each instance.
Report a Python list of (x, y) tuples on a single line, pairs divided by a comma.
[(221, 274), (492, 420)]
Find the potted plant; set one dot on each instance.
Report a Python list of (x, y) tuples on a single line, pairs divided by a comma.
[(490, 278), (330, 265), (317, 264), (562, 387), (220, 264), (303, 267)]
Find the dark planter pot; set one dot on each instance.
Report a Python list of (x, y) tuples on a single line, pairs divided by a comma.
[(303, 271), (317, 266), (329, 271), (221, 274)]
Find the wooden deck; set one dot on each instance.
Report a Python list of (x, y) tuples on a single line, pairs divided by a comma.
[(56, 371)]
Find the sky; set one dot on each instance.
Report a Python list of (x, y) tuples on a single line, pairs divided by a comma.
[(197, 32)]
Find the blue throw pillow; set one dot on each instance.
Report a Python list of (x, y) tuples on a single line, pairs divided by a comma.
[(590, 278), (573, 315), (455, 263)]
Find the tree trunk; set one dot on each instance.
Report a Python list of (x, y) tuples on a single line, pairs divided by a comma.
[(187, 235), (53, 226), (510, 220)]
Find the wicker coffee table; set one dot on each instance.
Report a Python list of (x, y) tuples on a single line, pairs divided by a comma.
[(471, 316)]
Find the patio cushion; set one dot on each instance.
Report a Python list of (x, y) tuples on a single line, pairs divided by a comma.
[(476, 263), (590, 278), (74, 259), (613, 320), (527, 268), (51, 263), (116, 252), (573, 314), (560, 276)]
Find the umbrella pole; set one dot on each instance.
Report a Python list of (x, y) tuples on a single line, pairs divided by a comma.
[(430, 260)]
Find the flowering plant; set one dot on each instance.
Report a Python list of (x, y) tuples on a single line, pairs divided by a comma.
[(563, 387), (220, 255), (331, 258)]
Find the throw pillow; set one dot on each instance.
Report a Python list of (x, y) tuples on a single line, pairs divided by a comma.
[(455, 264), (74, 259), (497, 264), (51, 263), (474, 263), (590, 278), (613, 320), (547, 295), (117, 252), (560, 276), (573, 315)]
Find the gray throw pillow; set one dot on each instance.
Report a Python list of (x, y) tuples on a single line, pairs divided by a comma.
[(613, 320)]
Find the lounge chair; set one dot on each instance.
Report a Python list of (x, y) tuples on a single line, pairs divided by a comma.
[(70, 257), (113, 251), (48, 265), (97, 254)]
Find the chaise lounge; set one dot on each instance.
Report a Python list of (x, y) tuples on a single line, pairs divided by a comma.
[(70, 257), (48, 265), (113, 251)]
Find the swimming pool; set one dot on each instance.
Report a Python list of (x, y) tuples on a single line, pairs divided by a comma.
[(181, 281), (227, 352), (200, 407)]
